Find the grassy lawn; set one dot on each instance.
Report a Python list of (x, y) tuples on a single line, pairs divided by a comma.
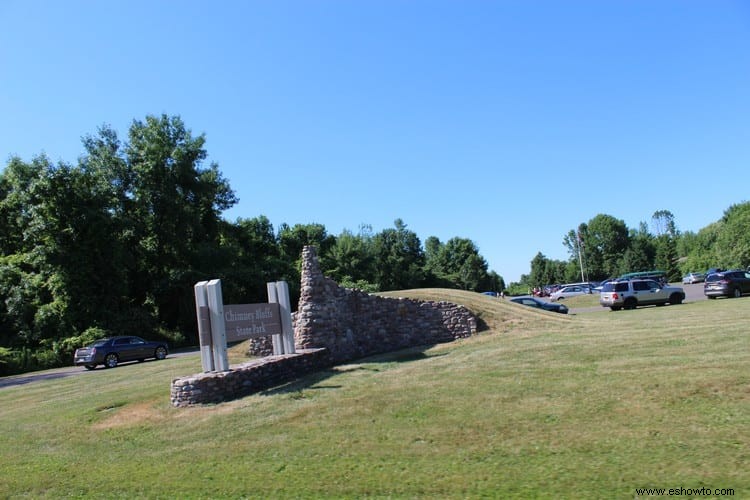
[(539, 405)]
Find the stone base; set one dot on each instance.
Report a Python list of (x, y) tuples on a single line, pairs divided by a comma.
[(247, 378)]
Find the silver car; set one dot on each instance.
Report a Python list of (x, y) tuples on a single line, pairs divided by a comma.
[(691, 278), (630, 294), (570, 291)]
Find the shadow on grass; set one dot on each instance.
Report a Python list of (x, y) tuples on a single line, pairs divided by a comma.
[(315, 381), (15, 380)]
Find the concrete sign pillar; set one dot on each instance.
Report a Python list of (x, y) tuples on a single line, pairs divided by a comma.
[(204, 326), (218, 330), (273, 298), (285, 311), (278, 293)]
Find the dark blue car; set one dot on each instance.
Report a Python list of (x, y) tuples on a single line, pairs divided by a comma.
[(111, 351), (540, 304)]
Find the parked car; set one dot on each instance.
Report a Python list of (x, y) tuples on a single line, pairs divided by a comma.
[(658, 276), (540, 304), (629, 294), (570, 291), (598, 288), (691, 278), (734, 283), (111, 351)]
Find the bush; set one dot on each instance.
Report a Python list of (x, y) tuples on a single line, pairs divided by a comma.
[(65, 348)]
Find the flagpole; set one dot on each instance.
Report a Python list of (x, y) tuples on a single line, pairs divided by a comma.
[(580, 255)]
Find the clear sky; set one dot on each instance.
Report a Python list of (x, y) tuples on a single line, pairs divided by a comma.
[(507, 122)]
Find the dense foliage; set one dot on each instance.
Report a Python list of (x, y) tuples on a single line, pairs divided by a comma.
[(115, 243), (605, 247)]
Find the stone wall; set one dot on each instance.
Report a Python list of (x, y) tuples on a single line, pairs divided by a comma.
[(244, 379), (352, 324), (332, 325)]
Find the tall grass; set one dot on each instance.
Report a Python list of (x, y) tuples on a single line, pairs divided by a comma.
[(539, 405)]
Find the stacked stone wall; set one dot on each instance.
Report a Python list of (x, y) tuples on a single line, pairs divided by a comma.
[(352, 324), (247, 378)]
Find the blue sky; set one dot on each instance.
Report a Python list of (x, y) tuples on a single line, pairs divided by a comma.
[(505, 122)]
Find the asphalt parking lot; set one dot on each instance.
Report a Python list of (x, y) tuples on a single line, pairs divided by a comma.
[(692, 292)]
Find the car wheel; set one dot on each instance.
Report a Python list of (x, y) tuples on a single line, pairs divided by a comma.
[(90, 367), (676, 298), (615, 308), (710, 297), (630, 304), (160, 353), (737, 293), (110, 360)]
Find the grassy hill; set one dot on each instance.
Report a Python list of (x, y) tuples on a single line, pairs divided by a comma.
[(538, 405)]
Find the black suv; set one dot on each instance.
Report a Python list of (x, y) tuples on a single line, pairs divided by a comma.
[(734, 283)]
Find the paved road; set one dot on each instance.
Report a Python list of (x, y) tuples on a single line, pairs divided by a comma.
[(69, 371)]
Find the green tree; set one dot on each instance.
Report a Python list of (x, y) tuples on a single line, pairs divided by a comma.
[(351, 259), (293, 239), (17, 198), (703, 253), (663, 223), (641, 253), (176, 207), (542, 271), (247, 259), (733, 241), (463, 264), (603, 241), (61, 263), (687, 243), (399, 258), (666, 257)]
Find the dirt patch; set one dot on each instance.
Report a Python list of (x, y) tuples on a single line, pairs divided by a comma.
[(130, 415)]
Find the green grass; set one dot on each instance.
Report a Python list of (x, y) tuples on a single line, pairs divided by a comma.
[(539, 405), (588, 300)]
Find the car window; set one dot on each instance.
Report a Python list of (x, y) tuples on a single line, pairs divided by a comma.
[(640, 285), (122, 341), (621, 287)]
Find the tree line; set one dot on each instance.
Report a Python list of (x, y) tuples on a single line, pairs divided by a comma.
[(114, 244), (604, 247)]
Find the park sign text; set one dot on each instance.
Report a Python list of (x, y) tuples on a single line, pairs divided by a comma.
[(219, 323), (247, 321)]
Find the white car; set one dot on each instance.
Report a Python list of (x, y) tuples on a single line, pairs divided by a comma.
[(569, 291)]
